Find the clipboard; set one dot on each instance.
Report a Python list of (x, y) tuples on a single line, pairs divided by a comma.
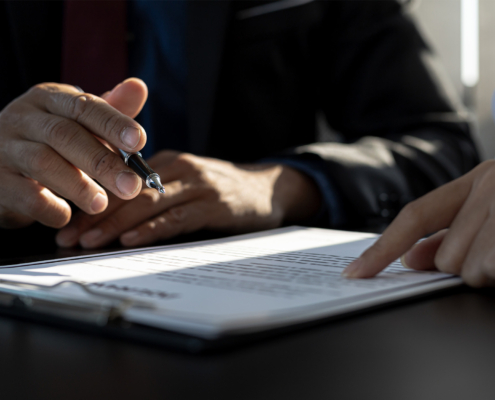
[(72, 303), (102, 315)]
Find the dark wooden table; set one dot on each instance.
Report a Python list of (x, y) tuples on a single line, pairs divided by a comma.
[(437, 347)]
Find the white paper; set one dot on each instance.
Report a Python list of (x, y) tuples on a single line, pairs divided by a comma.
[(240, 284)]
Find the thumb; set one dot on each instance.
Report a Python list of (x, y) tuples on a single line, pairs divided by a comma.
[(128, 97)]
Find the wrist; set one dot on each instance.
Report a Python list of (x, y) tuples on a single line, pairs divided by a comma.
[(293, 196), (297, 195)]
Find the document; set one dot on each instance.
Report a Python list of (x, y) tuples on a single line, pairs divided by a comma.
[(241, 284)]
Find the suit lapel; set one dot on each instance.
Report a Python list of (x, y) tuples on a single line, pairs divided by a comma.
[(207, 24)]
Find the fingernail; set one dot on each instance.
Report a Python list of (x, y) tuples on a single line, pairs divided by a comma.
[(130, 136), (352, 269), (99, 203), (129, 236), (403, 260), (90, 237), (67, 237), (127, 182)]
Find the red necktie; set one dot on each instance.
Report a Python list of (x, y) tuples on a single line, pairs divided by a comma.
[(94, 49)]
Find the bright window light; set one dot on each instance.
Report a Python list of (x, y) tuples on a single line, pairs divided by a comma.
[(469, 42)]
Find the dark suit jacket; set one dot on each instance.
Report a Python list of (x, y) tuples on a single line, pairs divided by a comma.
[(260, 73)]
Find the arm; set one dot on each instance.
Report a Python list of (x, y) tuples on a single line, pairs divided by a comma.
[(404, 132)]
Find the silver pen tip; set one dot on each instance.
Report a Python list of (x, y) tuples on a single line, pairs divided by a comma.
[(154, 182)]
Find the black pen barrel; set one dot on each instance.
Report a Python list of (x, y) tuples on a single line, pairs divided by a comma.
[(140, 166)]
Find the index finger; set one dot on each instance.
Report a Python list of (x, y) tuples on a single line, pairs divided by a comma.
[(92, 112), (428, 214)]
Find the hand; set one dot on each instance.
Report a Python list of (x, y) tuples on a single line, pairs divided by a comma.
[(53, 146), (199, 193), (463, 213)]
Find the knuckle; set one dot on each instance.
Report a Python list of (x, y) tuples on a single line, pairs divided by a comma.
[(168, 154), (37, 89), (445, 263), (162, 227), (163, 157), (10, 127), (155, 228), (160, 222), (41, 161), (59, 132), (103, 162), (186, 157), (35, 205), (112, 124), (86, 107), (12, 116), (78, 105), (187, 162), (82, 189), (43, 88)]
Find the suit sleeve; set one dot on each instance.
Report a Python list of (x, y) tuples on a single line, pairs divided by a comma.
[(403, 131)]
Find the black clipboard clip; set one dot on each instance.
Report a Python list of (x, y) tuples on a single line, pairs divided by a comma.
[(88, 306)]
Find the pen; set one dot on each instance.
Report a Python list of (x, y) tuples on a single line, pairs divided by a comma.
[(144, 171)]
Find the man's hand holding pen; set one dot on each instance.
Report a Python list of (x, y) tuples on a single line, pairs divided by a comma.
[(52, 144), (58, 143)]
